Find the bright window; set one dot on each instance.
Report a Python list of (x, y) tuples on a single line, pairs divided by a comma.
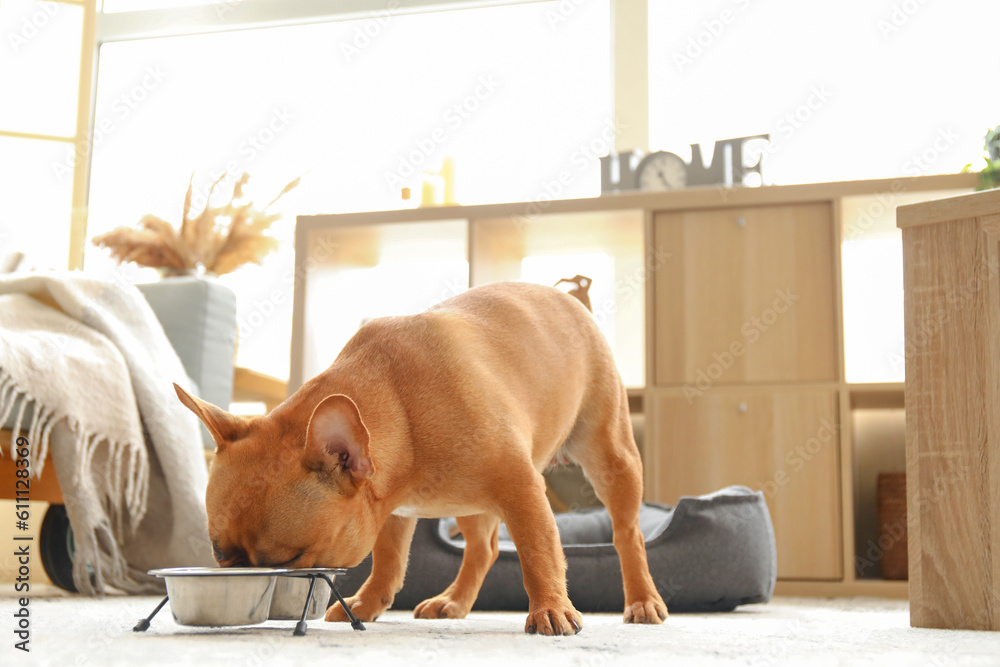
[(515, 95), (37, 203), (40, 47), (848, 90), (39, 66)]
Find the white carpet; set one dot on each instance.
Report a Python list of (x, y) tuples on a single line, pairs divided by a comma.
[(85, 631)]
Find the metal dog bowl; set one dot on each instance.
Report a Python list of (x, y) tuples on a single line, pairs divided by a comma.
[(221, 596), (290, 595), (218, 595)]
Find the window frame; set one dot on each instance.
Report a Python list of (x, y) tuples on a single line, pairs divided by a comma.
[(77, 224)]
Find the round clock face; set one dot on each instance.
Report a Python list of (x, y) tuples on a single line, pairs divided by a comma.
[(661, 171)]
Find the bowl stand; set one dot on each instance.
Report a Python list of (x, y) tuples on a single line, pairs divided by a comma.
[(300, 627)]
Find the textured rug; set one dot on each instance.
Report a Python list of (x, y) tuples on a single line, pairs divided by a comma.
[(788, 631)]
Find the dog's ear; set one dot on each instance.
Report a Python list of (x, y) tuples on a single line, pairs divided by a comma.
[(223, 426), (337, 439)]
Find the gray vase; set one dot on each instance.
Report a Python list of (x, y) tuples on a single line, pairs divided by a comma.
[(198, 314)]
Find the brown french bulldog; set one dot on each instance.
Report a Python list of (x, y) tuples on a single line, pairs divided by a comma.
[(452, 412)]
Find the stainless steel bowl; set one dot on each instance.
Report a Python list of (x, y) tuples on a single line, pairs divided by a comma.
[(219, 596), (290, 596)]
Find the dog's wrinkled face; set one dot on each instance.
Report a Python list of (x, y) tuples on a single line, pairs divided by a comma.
[(284, 495)]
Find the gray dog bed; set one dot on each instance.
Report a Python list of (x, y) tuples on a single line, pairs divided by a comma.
[(709, 553)]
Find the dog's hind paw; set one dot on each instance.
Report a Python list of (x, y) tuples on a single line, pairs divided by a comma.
[(552, 622), (649, 611)]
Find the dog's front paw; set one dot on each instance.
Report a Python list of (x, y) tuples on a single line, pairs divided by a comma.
[(364, 609), (441, 606), (646, 611), (554, 621)]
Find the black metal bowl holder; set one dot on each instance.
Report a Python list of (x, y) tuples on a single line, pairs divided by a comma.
[(300, 627)]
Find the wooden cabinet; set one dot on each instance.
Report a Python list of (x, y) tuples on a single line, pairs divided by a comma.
[(746, 295), (746, 369), (783, 442)]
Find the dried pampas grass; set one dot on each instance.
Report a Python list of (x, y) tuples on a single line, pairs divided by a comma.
[(218, 240)]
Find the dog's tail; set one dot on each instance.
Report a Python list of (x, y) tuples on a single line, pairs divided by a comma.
[(581, 290)]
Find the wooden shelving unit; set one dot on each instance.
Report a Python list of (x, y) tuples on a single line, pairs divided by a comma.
[(707, 267), (876, 395)]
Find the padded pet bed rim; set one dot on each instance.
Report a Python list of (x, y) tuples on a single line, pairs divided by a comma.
[(734, 495), (507, 546)]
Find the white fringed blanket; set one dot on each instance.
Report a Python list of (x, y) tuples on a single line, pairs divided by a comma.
[(86, 371)]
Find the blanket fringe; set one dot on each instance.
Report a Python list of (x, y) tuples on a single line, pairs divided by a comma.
[(6, 389), (121, 482)]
